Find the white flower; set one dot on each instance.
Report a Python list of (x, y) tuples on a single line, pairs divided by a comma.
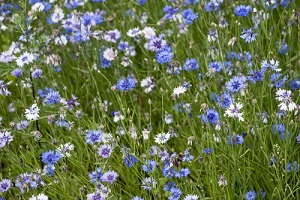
[(38, 7), (168, 118), (118, 116), (145, 133), (133, 32), (39, 197), (178, 91), (57, 15), (148, 83), (65, 149), (25, 58), (162, 138), (32, 113), (191, 197), (285, 97), (148, 32), (110, 54), (234, 110), (60, 40)]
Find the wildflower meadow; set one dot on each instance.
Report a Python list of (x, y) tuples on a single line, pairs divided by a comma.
[(149, 99)]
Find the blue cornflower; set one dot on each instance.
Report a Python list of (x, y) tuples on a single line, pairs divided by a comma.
[(251, 195), (187, 156), (4, 185), (238, 139), (49, 170), (212, 6), (109, 177), (189, 16), (169, 12), (298, 138), (95, 176), (191, 2), (165, 55), (295, 84), (176, 193), (169, 186), (93, 136), (52, 98), (157, 43), (183, 173), (292, 166), (37, 73), (126, 84), (50, 157), (224, 100), (141, 2), (255, 76), (211, 116), (208, 151), (248, 35), (216, 66), (17, 72), (123, 45), (280, 129), (130, 160), (278, 83), (284, 49), (168, 170), (190, 64), (149, 167), (235, 84), (242, 10)]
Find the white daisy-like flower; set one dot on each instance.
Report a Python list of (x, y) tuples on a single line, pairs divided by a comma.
[(133, 32), (148, 32), (65, 149), (285, 97), (60, 40), (168, 118), (274, 64), (191, 197), (118, 116), (148, 83), (162, 138), (39, 197), (57, 15), (234, 110), (32, 113), (25, 58), (38, 7), (110, 54), (178, 91)]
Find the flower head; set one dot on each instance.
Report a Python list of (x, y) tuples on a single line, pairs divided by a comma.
[(234, 111), (32, 113)]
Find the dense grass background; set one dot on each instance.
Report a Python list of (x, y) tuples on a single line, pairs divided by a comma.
[(246, 166)]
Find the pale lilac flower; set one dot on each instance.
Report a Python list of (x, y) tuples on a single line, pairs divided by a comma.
[(3, 88), (5, 138), (148, 32), (110, 54)]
